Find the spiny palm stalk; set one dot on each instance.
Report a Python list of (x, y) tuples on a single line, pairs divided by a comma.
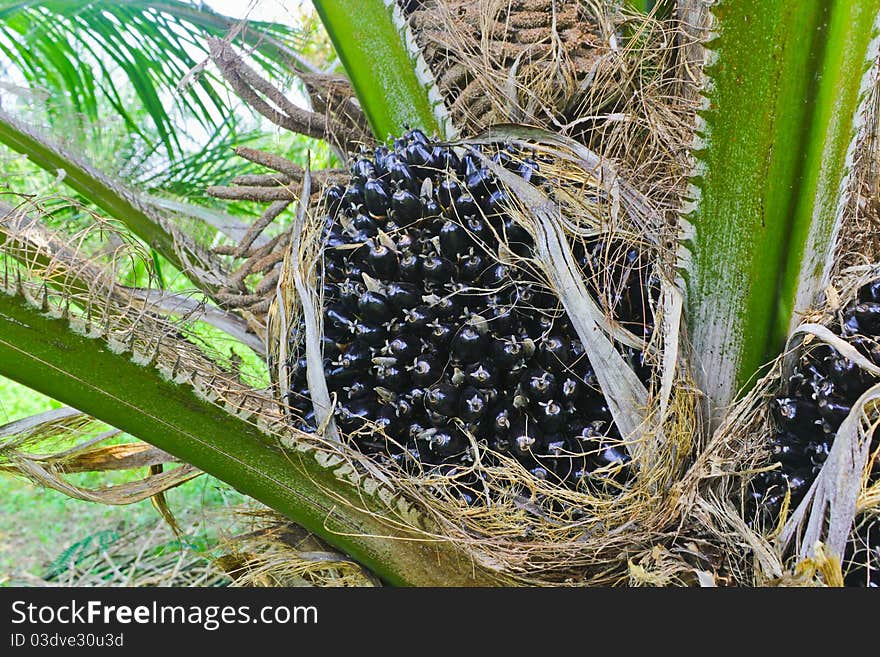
[(52, 337), (770, 184)]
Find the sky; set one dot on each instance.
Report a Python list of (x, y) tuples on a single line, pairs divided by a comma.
[(281, 11)]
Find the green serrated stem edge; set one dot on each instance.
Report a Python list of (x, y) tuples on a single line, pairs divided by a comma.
[(41, 352), (781, 101)]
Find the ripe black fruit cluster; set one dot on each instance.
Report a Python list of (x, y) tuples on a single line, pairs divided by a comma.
[(432, 345), (819, 396)]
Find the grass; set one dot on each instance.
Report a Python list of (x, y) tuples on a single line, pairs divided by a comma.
[(42, 528)]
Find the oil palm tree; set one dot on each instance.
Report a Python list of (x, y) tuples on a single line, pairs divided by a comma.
[(733, 131)]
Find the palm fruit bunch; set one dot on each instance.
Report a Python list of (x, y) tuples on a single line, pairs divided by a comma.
[(818, 397), (434, 343)]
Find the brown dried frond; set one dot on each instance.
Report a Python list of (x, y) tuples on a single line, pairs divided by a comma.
[(334, 120)]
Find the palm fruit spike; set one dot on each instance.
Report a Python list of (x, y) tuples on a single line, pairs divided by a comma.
[(430, 340), (817, 399)]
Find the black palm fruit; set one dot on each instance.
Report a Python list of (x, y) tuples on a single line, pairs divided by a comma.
[(354, 195), (374, 307), (447, 191), (410, 267), (377, 198), (373, 334), (465, 206), (816, 399), (471, 266), (442, 399), (426, 370), (363, 169), (392, 377), (417, 320), (539, 385), (406, 206), (380, 260), (437, 269), (454, 239), (429, 340), (404, 348), (400, 174), (468, 344), (440, 333), (473, 405), (481, 374), (553, 353), (403, 295), (430, 208), (418, 155)]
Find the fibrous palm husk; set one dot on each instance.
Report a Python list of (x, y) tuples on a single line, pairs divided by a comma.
[(536, 531), (616, 80)]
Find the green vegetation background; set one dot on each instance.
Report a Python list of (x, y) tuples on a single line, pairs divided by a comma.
[(39, 527)]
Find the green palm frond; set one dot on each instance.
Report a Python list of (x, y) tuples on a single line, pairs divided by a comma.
[(75, 53), (188, 175), (153, 380), (773, 151)]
